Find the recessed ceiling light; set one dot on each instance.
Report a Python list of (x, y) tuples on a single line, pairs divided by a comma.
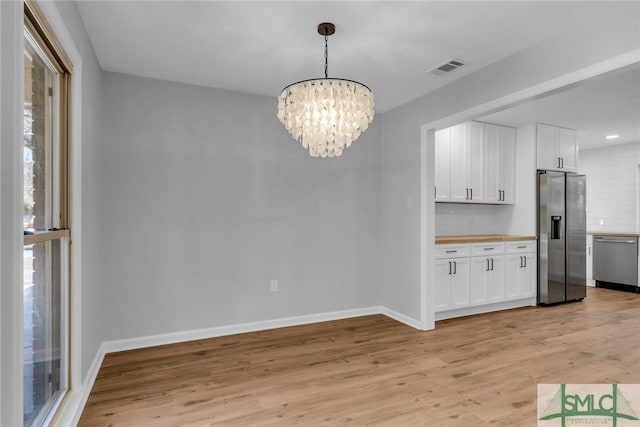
[(611, 136)]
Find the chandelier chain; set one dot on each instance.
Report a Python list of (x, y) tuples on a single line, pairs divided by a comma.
[(326, 56)]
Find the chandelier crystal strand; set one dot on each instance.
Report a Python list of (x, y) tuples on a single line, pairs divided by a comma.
[(326, 115)]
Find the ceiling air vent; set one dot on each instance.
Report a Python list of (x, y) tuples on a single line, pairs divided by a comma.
[(447, 67)]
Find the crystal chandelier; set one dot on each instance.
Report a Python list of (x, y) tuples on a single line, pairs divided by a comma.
[(326, 115)]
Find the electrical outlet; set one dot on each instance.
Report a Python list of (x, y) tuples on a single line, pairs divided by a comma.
[(602, 221), (274, 286), (409, 202)]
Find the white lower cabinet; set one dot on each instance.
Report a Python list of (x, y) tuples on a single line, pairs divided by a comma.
[(452, 278), (521, 273), (484, 273), (496, 280), (590, 281)]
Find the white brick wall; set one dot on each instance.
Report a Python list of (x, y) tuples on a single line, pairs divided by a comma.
[(612, 194)]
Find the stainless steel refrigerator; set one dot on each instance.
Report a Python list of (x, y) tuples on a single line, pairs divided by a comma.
[(562, 237)]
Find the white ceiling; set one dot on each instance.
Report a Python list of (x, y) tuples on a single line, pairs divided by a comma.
[(260, 47), (605, 105)]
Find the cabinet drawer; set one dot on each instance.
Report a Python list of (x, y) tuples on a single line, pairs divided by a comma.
[(522, 246), (488, 248), (452, 251)]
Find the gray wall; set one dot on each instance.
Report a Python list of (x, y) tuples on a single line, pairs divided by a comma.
[(615, 33), (204, 198)]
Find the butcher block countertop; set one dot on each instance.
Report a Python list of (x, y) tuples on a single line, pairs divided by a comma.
[(479, 238), (614, 233)]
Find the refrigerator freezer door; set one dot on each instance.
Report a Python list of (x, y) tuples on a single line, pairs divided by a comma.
[(576, 226), (551, 237)]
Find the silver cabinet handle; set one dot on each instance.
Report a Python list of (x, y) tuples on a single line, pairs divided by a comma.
[(452, 251), (562, 162), (489, 249), (525, 261), (449, 267), (559, 167), (491, 264), (466, 191), (521, 247), (487, 264), (455, 267), (471, 190), (521, 262)]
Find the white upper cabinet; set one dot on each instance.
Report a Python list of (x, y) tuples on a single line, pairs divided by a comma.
[(507, 178), (443, 165), (475, 142), (475, 163), (568, 149), (460, 159), (557, 148)]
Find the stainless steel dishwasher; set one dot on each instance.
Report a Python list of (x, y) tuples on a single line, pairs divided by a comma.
[(615, 259)]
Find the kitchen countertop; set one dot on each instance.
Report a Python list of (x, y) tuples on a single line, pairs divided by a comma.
[(615, 233), (478, 238)]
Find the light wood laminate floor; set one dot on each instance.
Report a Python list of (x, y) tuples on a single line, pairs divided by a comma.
[(372, 370)]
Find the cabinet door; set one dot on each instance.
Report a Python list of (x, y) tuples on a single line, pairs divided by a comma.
[(442, 297), (546, 137), (589, 253), (507, 177), (493, 164), (513, 267), (478, 287), (460, 283), (459, 164), (443, 164), (496, 276), (567, 149), (476, 160), (528, 276)]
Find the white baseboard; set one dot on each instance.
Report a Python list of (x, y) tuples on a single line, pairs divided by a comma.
[(487, 308), (240, 328), (409, 321), (77, 399)]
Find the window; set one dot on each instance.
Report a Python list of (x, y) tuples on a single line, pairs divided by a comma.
[(46, 231)]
